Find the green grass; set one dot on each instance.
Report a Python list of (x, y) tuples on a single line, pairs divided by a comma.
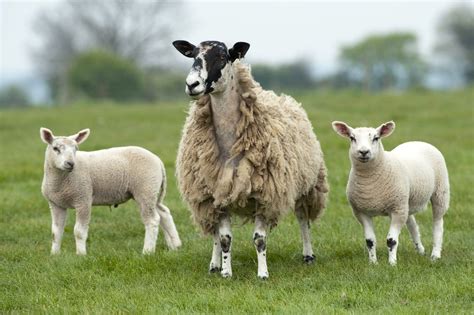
[(115, 277)]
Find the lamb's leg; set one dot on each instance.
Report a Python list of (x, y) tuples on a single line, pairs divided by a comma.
[(151, 220), (58, 216), (437, 238), (225, 238), (81, 228), (216, 258), (369, 234), (308, 256), (440, 204), (169, 228), (260, 242), (415, 234), (398, 220)]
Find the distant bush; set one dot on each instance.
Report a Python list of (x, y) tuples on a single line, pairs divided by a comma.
[(295, 75), (102, 75), (14, 96)]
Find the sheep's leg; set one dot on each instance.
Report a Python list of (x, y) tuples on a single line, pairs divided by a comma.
[(216, 258), (369, 233), (58, 216), (169, 228), (260, 242), (415, 234), (81, 228), (440, 204), (398, 220), (151, 220), (308, 256), (225, 238)]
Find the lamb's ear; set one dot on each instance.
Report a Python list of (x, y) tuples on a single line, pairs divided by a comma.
[(238, 51), (46, 135), (342, 128), (81, 136), (186, 48), (385, 130)]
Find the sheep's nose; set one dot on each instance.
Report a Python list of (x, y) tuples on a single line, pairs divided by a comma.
[(363, 152), (70, 164), (192, 86)]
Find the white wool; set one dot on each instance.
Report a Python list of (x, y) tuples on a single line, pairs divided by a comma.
[(105, 177), (397, 183)]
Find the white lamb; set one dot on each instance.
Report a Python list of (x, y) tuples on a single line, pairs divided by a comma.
[(77, 179), (397, 183)]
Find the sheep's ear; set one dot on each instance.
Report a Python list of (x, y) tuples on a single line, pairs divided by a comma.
[(46, 135), (385, 130), (81, 136), (238, 51), (186, 48), (342, 128)]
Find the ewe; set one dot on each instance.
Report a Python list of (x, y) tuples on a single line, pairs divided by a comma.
[(245, 151), (397, 183), (79, 180)]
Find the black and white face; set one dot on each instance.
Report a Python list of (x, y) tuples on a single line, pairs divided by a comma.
[(211, 70), (365, 142)]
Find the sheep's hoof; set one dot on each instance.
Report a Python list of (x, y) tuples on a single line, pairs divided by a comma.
[(373, 262), (309, 259), (226, 274), (392, 263), (215, 269)]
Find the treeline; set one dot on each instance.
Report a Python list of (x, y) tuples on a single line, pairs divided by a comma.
[(85, 55)]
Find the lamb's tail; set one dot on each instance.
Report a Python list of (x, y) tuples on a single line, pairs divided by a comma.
[(162, 193), (315, 202)]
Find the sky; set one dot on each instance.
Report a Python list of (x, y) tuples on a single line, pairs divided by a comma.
[(278, 31)]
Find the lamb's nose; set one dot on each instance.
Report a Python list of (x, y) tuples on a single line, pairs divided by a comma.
[(192, 86), (363, 152), (70, 164)]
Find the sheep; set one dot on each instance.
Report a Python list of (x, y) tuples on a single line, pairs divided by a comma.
[(79, 180), (245, 151), (397, 183)]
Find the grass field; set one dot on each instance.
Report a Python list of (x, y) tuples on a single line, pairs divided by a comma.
[(115, 277)]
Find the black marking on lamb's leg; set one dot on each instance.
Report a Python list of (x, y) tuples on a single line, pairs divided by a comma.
[(391, 243), (215, 269), (309, 259), (370, 243), (259, 241), (226, 241)]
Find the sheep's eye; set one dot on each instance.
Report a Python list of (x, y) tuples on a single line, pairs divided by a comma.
[(353, 139), (56, 149), (376, 139)]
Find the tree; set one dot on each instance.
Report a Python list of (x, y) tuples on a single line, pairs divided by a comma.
[(13, 96), (102, 75), (456, 40), (384, 61), (286, 76), (136, 30)]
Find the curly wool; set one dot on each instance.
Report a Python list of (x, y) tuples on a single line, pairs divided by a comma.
[(280, 162)]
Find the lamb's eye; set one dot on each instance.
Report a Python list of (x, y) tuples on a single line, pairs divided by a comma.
[(376, 139), (56, 149), (353, 139)]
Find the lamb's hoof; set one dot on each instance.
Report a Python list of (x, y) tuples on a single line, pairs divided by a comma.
[(420, 250), (435, 258), (226, 274), (263, 276), (373, 262), (309, 259), (392, 263), (214, 269)]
